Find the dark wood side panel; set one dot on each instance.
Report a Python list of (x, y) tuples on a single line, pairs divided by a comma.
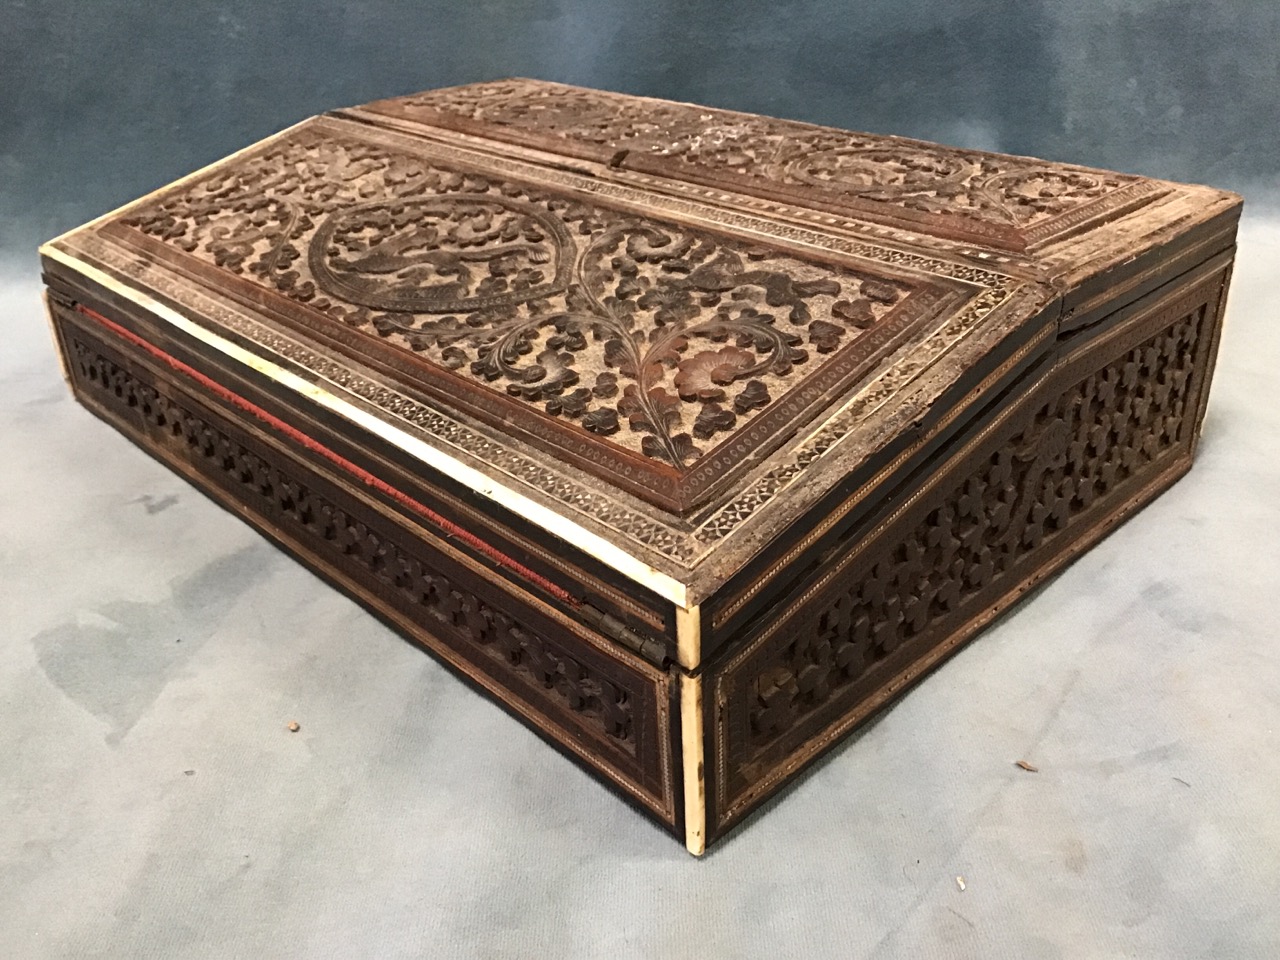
[(603, 707), (1042, 479)]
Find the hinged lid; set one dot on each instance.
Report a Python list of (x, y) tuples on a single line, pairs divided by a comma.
[(994, 201), (660, 331)]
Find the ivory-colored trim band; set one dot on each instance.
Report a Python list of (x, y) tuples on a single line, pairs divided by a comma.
[(689, 637), (695, 790)]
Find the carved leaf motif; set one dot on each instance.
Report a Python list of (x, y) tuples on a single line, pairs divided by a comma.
[(812, 288), (556, 371), (572, 404), (631, 406), (616, 353), (754, 395), (711, 419), (684, 448), (606, 385), (933, 179), (628, 356), (670, 303), (856, 313), (654, 412), (878, 290), (666, 405), (681, 451), (569, 338), (603, 421), (824, 336)]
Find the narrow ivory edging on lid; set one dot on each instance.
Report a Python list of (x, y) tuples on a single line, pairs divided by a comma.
[(555, 524)]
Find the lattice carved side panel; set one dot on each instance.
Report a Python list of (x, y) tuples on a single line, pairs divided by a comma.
[(1076, 456), (620, 708)]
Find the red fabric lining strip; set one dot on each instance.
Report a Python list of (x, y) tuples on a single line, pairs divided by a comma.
[(448, 527)]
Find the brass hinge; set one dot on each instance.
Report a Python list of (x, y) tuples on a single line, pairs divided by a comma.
[(652, 650)]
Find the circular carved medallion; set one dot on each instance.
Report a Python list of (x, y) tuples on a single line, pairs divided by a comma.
[(877, 172), (1026, 194), (557, 111)]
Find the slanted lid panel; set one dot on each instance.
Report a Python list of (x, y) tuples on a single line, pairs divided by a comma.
[(664, 379), (993, 201), (662, 356), (674, 371)]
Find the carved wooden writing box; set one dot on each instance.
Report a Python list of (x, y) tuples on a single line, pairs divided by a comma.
[(692, 437)]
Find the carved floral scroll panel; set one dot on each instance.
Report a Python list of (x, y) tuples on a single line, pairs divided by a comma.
[(662, 339), (1007, 194)]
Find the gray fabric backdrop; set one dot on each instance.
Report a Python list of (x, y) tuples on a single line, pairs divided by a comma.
[(152, 648), (103, 101)]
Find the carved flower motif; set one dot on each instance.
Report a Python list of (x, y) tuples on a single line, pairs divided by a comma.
[(668, 325), (705, 375), (655, 246), (1046, 191)]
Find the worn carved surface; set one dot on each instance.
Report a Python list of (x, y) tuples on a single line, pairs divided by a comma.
[(651, 337), (213, 244), (812, 405), (1082, 451), (996, 198), (578, 415), (349, 539)]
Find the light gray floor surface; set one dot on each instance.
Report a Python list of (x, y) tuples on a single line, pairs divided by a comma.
[(152, 803)]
